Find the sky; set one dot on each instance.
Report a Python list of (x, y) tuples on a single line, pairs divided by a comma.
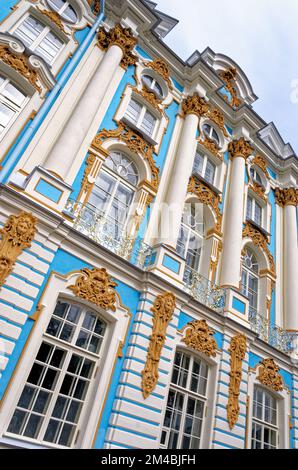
[(259, 35)]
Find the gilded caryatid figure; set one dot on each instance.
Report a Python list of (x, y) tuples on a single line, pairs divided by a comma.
[(196, 105), (237, 351), (17, 234), (162, 310), (240, 148), (269, 375), (121, 37), (286, 197)]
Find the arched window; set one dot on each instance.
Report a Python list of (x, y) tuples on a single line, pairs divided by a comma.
[(191, 237), (264, 420), (152, 85), (53, 398), (39, 38), (255, 176), (211, 133), (185, 411), (64, 9), (114, 190), (12, 101), (250, 280)]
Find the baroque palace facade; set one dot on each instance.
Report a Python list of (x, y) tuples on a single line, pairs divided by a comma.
[(148, 272)]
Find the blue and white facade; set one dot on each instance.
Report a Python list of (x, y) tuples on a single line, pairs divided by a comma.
[(158, 175)]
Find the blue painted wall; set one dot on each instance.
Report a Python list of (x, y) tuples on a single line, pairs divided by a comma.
[(5, 8)]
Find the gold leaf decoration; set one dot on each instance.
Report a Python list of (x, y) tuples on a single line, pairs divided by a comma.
[(206, 196), (237, 353), (195, 105), (269, 375), (240, 147), (96, 286), (216, 116), (212, 146), (17, 234), (160, 67), (286, 197), (19, 63), (259, 240), (229, 78), (121, 37), (95, 6), (163, 310), (200, 337), (258, 189), (53, 16), (134, 142), (260, 161)]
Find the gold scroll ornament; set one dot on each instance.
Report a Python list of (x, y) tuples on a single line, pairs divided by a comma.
[(200, 337), (237, 351), (162, 310), (269, 375)]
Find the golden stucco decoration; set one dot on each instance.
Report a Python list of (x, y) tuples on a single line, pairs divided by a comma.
[(259, 240), (259, 190), (96, 286), (95, 6), (240, 148), (17, 234), (206, 196), (269, 375), (53, 16), (237, 353), (286, 197), (86, 184), (212, 146), (20, 64), (163, 310), (259, 160), (217, 116), (199, 336), (150, 97), (134, 142), (121, 37), (160, 67), (229, 78), (195, 104)]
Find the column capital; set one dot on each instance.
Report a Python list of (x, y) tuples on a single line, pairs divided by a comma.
[(240, 148), (195, 105), (121, 37), (286, 197)]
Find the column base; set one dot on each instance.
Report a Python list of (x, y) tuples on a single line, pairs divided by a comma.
[(166, 263)]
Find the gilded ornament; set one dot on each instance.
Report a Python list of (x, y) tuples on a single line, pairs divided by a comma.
[(96, 286), (200, 337), (229, 78), (260, 161), (160, 67), (269, 375), (150, 97), (19, 63), (206, 196), (240, 148), (217, 116), (195, 105), (121, 37), (259, 240), (259, 190), (54, 17), (134, 142), (286, 197), (237, 353), (163, 310), (86, 184), (212, 146), (95, 6), (17, 234)]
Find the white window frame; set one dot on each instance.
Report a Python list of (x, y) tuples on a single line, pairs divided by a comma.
[(206, 159), (47, 29), (62, 9), (245, 288), (187, 393), (140, 118), (261, 422), (152, 86), (253, 210), (18, 109)]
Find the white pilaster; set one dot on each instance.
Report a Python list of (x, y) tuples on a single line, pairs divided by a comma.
[(290, 267)]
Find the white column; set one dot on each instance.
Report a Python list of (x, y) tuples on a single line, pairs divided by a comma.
[(177, 190), (232, 242), (72, 136), (290, 268)]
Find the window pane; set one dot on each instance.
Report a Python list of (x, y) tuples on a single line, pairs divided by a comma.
[(29, 30), (14, 94), (49, 47), (133, 111), (198, 163), (148, 123), (210, 172), (249, 208)]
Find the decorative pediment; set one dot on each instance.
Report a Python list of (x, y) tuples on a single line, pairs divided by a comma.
[(259, 240), (17, 234), (54, 17), (206, 196), (134, 142), (96, 286), (237, 352), (199, 336), (163, 310), (269, 375)]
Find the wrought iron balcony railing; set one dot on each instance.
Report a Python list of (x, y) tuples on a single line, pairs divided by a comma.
[(204, 290)]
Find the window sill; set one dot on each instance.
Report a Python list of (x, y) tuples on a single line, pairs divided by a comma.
[(258, 227), (207, 183)]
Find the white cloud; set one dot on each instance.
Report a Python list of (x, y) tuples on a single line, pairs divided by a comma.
[(259, 35)]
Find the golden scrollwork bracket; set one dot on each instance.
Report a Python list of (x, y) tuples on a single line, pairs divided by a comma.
[(163, 310), (269, 375), (17, 234), (96, 286), (237, 352), (199, 336), (229, 78)]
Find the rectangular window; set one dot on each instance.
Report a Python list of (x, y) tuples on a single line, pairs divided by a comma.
[(12, 101), (141, 117), (254, 211), (204, 167), (39, 38), (264, 424)]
